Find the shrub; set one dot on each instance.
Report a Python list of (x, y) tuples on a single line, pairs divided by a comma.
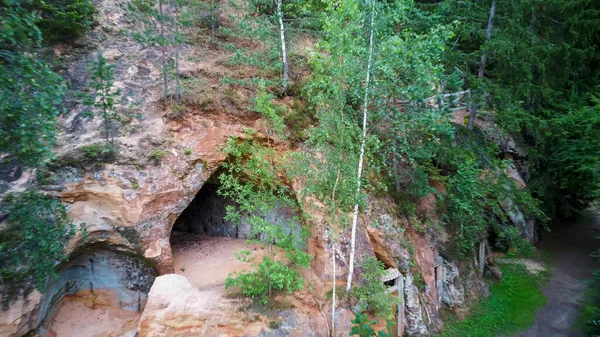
[(252, 181), (187, 152), (157, 155), (65, 20), (268, 277), (33, 243), (372, 293), (97, 150), (363, 327)]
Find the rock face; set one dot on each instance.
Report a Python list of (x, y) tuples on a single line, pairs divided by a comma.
[(165, 157), (21, 316), (176, 308), (109, 278)]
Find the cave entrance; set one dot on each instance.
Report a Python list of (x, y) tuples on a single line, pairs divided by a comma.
[(98, 292), (204, 243)]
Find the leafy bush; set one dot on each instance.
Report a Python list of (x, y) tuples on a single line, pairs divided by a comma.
[(33, 243), (372, 293), (157, 155), (97, 150), (477, 185), (31, 93), (65, 20), (267, 277), (252, 181), (363, 327)]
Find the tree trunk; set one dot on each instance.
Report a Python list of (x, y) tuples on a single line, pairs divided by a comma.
[(284, 60), (480, 73), (213, 20), (362, 151), (333, 295), (177, 46), (164, 53)]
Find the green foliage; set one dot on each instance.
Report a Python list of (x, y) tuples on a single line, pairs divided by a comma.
[(363, 327), (65, 20), (263, 104), (405, 69), (96, 151), (267, 277), (546, 105), (372, 293), (253, 181), (477, 187), (102, 96), (257, 26), (157, 155), (30, 99), (511, 306), (187, 152), (33, 243), (568, 177), (591, 310), (31, 93)]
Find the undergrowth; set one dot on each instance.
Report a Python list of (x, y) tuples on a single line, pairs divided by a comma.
[(511, 307)]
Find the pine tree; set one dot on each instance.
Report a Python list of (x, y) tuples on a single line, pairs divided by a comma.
[(102, 97)]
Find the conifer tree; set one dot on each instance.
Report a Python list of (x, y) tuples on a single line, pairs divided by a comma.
[(102, 97)]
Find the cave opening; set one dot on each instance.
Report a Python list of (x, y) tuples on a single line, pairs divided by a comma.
[(204, 243), (109, 288)]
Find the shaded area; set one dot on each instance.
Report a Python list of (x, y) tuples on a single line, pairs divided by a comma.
[(571, 245), (97, 293), (205, 215)]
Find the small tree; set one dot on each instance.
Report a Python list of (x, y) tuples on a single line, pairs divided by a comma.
[(251, 180), (152, 28), (102, 97)]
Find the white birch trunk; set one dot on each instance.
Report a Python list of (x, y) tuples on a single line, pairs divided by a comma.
[(362, 152), (284, 60)]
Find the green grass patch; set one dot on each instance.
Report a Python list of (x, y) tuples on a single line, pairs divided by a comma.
[(510, 308)]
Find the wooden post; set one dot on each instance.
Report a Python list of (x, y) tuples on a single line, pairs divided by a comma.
[(399, 283)]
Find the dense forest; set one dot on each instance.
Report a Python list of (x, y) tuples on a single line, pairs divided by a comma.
[(397, 97)]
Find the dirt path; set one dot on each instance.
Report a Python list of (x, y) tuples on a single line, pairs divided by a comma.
[(570, 245)]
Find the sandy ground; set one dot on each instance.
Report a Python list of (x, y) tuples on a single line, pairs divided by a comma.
[(570, 245), (206, 261), (76, 318)]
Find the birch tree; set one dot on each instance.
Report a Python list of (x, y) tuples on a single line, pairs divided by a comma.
[(362, 150), (284, 60), (355, 119)]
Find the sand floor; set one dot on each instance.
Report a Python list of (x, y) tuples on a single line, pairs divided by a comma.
[(77, 318), (206, 261)]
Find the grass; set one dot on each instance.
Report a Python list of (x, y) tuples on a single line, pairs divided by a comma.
[(510, 308)]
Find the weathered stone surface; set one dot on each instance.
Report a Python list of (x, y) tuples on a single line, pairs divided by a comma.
[(21, 315), (112, 54), (176, 308), (415, 324)]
